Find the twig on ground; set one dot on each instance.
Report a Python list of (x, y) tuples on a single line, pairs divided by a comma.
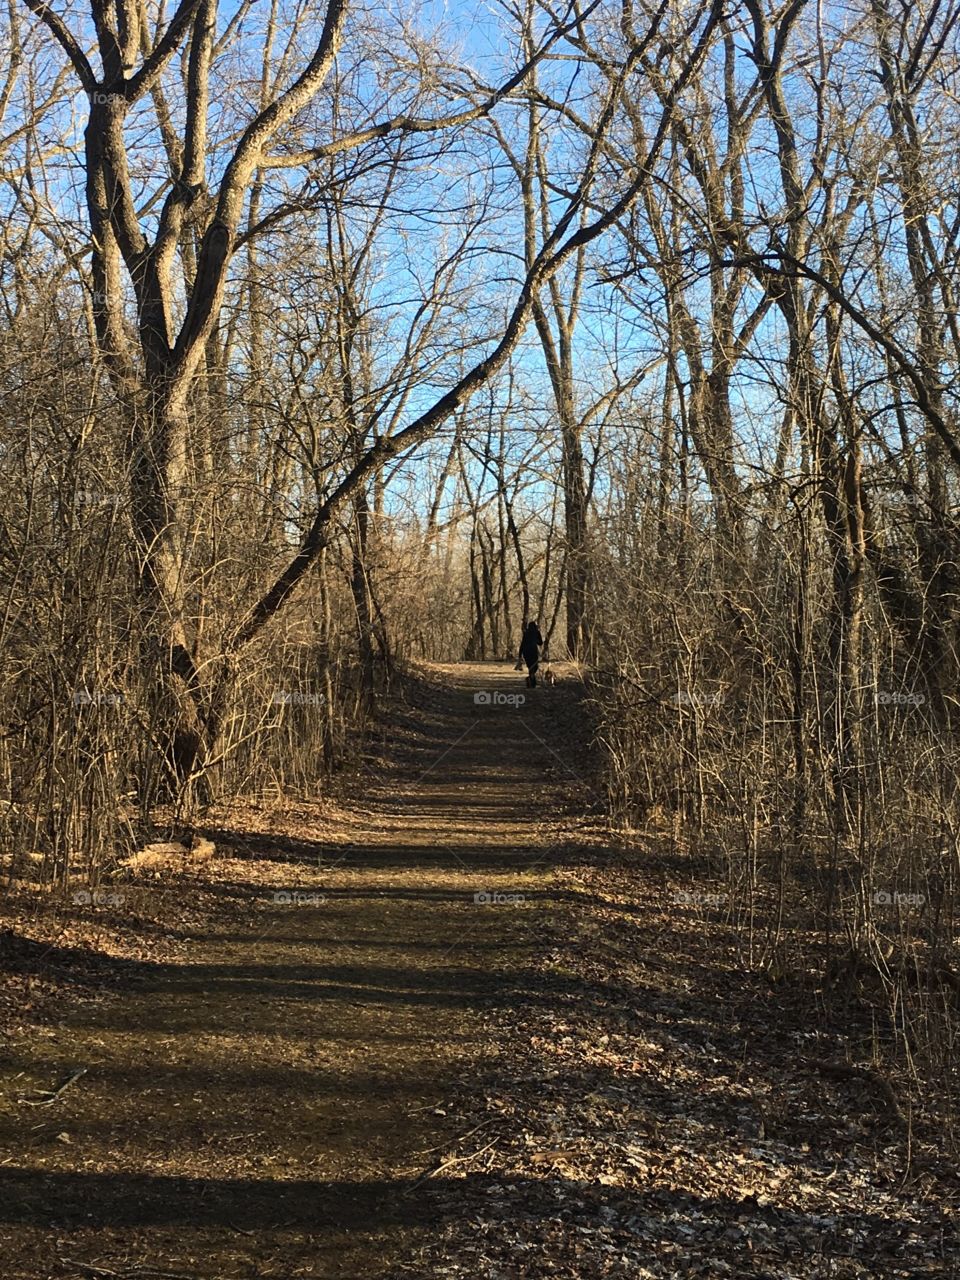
[(463, 1137), (432, 1173), (847, 1071), (53, 1094), (136, 1273)]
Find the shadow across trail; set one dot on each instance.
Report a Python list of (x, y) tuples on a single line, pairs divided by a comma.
[(316, 1206), (274, 1097)]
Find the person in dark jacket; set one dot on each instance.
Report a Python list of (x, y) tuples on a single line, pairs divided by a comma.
[(530, 647)]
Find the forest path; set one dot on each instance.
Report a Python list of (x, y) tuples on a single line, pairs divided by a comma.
[(269, 1095), (586, 1076)]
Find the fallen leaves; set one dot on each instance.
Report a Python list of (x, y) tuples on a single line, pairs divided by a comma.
[(668, 1129)]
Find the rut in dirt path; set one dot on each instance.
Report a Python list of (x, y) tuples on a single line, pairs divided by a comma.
[(271, 1101)]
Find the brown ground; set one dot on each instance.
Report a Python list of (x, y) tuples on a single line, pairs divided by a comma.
[(266, 1083), (396, 1081)]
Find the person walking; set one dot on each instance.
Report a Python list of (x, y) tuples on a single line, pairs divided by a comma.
[(530, 647)]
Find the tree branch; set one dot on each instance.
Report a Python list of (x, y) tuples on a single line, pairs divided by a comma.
[(548, 262), (64, 37), (414, 124)]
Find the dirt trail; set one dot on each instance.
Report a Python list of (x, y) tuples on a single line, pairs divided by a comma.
[(267, 1097), (378, 1077)]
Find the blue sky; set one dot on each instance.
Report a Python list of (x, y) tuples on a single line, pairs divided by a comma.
[(477, 31)]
